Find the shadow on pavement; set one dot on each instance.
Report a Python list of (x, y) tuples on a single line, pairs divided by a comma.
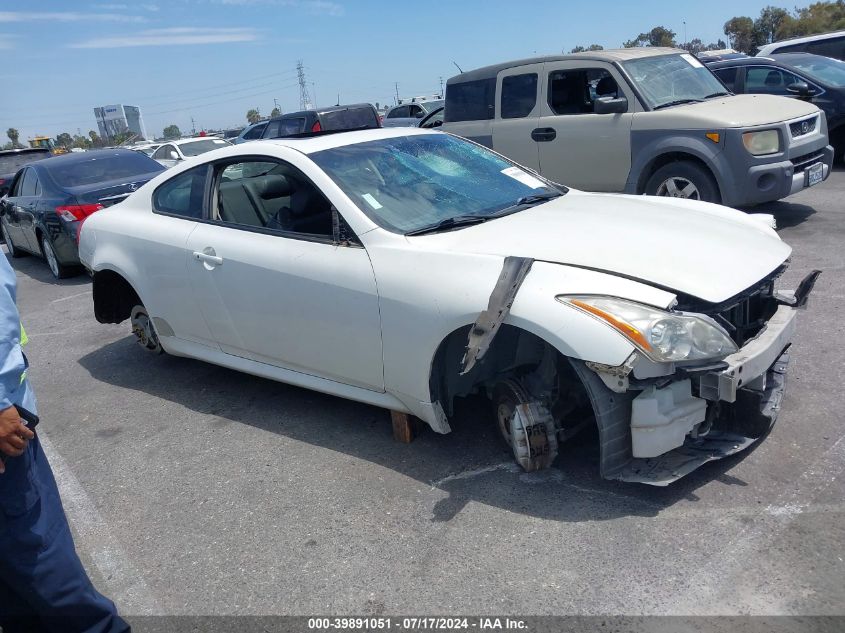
[(37, 269), (470, 464), (787, 214)]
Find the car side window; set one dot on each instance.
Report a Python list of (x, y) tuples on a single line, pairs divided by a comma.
[(29, 186), (162, 152), (768, 80), (271, 195), (255, 132), (727, 76), (574, 91), (519, 95), (402, 112), (830, 47), (417, 112), (182, 195)]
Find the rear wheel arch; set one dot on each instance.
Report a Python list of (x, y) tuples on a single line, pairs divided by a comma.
[(114, 297)]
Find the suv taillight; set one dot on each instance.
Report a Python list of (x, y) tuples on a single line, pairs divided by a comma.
[(316, 127), (76, 212)]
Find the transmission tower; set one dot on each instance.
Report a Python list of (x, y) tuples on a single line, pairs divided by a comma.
[(304, 97)]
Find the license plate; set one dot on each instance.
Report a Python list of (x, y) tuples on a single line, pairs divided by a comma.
[(815, 174)]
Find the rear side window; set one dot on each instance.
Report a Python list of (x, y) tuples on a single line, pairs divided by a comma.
[(519, 95), (255, 132), (29, 186), (285, 127), (834, 47), (402, 112), (102, 167), (727, 76), (183, 195), (349, 119), (470, 100)]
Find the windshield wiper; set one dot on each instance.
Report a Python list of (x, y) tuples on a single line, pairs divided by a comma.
[(677, 102), (450, 223), (717, 94), (527, 201)]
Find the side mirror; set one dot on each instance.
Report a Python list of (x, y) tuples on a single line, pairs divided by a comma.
[(419, 115), (174, 156), (610, 105), (801, 88)]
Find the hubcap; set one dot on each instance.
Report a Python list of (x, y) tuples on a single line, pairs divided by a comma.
[(143, 330), (677, 187), (50, 256)]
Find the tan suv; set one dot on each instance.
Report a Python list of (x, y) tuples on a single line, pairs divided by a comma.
[(641, 120)]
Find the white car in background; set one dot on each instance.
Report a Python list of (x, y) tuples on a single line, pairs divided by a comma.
[(408, 268), (172, 152)]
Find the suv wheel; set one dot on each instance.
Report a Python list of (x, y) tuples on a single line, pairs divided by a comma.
[(683, 179)]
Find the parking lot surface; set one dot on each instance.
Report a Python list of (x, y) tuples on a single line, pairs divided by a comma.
[(194, 489)]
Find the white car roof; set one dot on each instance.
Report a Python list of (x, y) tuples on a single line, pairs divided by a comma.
[(186, 141), (328, 141)]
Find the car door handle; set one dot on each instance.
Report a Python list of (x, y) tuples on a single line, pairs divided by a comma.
[(209, 259), (542, 134)]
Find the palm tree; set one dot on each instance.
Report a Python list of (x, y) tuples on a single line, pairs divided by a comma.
[(253, 115), (13, 135)]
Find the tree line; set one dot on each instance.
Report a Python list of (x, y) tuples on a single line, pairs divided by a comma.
[(746, 34)]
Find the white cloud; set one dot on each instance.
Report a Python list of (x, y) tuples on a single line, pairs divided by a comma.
[(316, 7), (174, 36), (66, 16)]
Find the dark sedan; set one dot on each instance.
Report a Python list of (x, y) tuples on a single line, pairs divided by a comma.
[(48, 201), (820, 80)]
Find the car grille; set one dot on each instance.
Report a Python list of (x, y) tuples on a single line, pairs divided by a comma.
[(805, 160), (805, 126), (744, 315)]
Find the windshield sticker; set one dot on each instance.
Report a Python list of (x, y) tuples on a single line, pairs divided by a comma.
[(372, 201), (692, 61), (524, 177)]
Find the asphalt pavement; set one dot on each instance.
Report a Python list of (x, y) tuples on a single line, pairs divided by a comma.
[(193, 489)]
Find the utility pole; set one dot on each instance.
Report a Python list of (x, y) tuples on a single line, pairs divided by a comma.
[(304, 97), (441, 87), (193, 127), (276, 104), (396, 86)]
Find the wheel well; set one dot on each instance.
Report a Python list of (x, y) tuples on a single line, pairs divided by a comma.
[(671, 157), (514, 353), (114, 297)]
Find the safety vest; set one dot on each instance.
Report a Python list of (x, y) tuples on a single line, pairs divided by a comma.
[(24, 341)]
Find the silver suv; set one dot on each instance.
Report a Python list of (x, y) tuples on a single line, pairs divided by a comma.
[(641, 120)]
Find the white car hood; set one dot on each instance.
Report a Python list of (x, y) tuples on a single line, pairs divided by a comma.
[(704, 250)]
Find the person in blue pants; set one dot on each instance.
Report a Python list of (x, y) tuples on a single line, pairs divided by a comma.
[(43, 585)]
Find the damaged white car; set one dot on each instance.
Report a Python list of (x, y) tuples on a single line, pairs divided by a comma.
[(407, 268)]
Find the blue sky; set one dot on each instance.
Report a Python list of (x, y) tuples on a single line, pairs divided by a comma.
[(214, 59)]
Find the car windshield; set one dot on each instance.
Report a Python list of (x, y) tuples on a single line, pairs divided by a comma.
[(408, 183), (101, 167), (10, 163), (195, 148), (672, 80), (823, 69)]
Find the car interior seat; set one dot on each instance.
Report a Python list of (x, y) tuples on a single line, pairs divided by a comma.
[(774, 79), (607, 87), (270, 193), (234, 205)]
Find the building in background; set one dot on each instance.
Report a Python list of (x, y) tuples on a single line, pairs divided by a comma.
[(118, 119)]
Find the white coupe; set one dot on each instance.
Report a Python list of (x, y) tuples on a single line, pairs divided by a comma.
[(407, 268)]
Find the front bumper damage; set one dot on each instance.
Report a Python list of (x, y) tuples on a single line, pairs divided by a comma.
[(658, 432)]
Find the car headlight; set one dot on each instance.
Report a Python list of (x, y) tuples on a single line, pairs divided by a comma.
[(761, 143), (660, 335)]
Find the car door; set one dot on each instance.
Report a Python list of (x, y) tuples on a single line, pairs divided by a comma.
[(11, 211), (26, 208), (516, 132), (275, 285), (576, 146)]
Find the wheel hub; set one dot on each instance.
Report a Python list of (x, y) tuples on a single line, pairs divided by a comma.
[(678, 187)]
